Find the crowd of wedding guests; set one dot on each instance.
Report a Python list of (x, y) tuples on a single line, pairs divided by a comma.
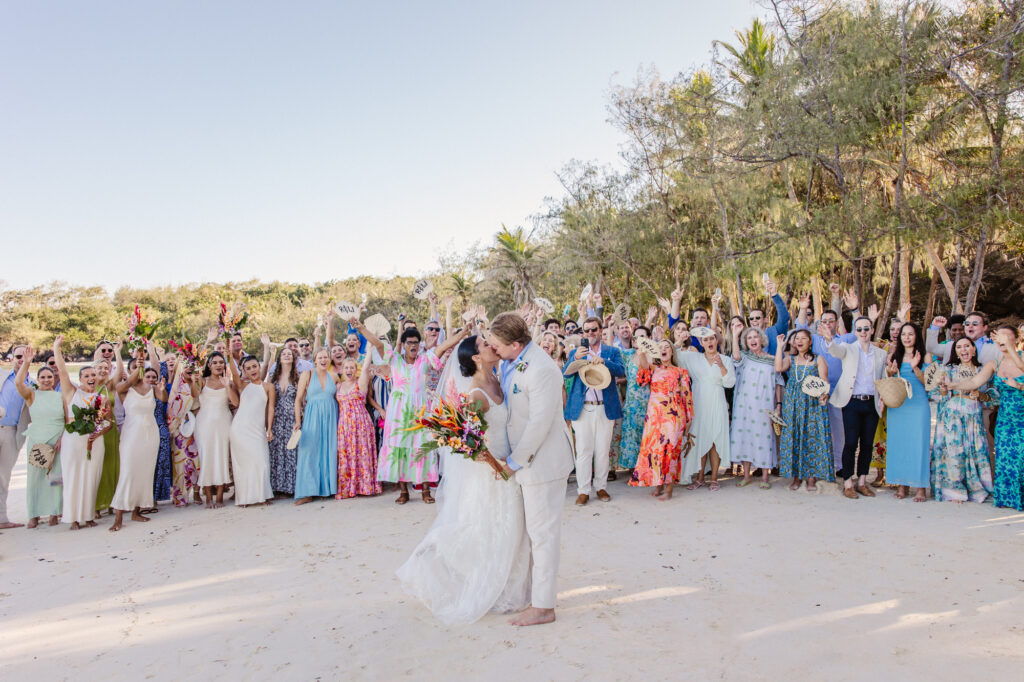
[(661, 401)]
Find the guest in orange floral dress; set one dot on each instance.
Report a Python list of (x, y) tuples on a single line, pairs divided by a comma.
[(357, 449), (666, 426)]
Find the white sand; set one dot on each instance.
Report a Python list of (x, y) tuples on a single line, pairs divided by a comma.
[(740, 584)]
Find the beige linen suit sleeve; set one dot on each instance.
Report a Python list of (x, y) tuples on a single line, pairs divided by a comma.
[(545, 394)]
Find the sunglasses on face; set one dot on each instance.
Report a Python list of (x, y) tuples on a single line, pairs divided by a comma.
[(754, 318), (18, 357), (863, 329), (593, 330), (433, 329), (973, 323), (107, 350), (303, 345), (52, 363)]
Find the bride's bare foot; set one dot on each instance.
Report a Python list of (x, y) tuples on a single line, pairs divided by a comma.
[(534, 616)]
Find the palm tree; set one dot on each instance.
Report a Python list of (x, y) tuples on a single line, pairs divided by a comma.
[(515, 260), (755, 59), (463, 285)]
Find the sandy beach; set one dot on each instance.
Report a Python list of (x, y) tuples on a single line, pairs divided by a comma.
[(741, 584)]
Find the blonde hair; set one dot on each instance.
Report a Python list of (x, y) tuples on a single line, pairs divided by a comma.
[(510, 328)]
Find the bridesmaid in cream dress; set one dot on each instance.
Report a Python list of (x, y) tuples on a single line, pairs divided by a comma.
[(251, 434), (213, 429), (80, 465), (140, 442), (711, 373)]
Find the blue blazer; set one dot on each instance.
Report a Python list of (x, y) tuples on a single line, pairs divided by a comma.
[(577, 391)]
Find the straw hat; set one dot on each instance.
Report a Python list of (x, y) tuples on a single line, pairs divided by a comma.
[(595, 376)]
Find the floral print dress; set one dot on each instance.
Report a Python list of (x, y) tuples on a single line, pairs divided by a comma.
[(960, 467), (1009, 483), (669, 413), (282, 460), (399, 460), (634, 409), (357, 446), (184, 453), (805, 449)]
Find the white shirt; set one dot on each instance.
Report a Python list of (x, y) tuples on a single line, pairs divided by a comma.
[(864, 384)]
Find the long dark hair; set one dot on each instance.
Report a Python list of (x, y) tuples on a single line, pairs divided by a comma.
[(900, 351), (211, 356), (954, 359), (467, 349), (293, 374)]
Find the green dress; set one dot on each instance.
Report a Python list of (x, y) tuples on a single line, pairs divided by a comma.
[(111, 460), (43, 491)]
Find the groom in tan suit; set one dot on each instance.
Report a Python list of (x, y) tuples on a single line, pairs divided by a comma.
[(542, 454)]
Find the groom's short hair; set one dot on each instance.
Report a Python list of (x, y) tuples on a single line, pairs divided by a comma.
[(511, 327)]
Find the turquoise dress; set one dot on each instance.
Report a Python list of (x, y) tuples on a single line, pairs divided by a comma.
[(908, 437), (1009, 483), (316, 465), (633, 412), (805, 449), (960, 465), (43, 491)]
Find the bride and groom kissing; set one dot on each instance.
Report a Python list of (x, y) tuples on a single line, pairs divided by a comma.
[(494, 546)]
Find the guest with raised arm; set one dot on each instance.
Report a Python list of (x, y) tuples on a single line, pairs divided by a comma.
[(908, 426), (108, 376), (213, 429), (666, 424), (960, 468), (711, 373), (162, 479), (1007, 373), (181, 423), (593, 407), (251, 431), (863, 363), (81, 456), (316, 413), (140, 440), (635, 407), (398, 461), (757, 394), (14, 422), (805, 449), (759, 320), (43, 490), (357, 447)]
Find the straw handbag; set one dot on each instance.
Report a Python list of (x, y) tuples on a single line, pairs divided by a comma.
[(893, 391)]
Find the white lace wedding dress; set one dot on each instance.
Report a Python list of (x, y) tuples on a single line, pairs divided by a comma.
[(475, 558)]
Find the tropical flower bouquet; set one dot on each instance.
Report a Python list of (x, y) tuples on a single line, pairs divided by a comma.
[(90, 419), (141, 327), (230, 322), (191, 354), (457, 424)]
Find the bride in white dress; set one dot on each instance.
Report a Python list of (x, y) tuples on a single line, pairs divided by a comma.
[(140, 443), (250, 435), (475, 558)]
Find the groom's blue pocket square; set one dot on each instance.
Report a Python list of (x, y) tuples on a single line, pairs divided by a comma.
[(515, 389)]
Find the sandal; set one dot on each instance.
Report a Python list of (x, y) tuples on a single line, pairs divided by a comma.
[(427, 497), (694, 486), (713, 486), (765, 485), (744, 484), (403, 497)]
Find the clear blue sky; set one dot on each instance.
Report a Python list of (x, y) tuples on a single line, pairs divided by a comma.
[(167, 142)]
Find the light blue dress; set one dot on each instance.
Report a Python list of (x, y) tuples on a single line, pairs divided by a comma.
[(316, 467), (908, 437), (633, 412)]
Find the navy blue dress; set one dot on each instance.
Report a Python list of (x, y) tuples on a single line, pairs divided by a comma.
[(162, 476)]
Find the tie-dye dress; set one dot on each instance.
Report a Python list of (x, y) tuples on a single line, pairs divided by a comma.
[(398, 460)]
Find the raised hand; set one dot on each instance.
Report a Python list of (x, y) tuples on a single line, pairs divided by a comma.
[(850, 299), (892, 369), (940, 322), (677, 294), (665, 304), (652, 311), (915, 359), (780, 341), (834, 289), (598, 300), (770, 288), (873, 313), (58, 341), (904, 312), (736, 326), (716, 299), (265, 339), (805, 301), (212, 334)]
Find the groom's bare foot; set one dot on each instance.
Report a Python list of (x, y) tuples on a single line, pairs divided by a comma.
[(534, 616)]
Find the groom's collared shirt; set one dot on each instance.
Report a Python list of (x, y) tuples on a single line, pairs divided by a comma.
[(507, 370)]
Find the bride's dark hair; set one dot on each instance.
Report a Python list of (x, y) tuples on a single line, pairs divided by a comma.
[(467, 349)]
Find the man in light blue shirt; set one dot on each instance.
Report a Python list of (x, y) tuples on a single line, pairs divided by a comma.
[(11, 441)]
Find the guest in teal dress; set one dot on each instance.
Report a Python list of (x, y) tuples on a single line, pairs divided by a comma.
[(1007, 372), (960, 465), (634, 409), (908, 427), (805, 449), (43, 490), (316, 413)]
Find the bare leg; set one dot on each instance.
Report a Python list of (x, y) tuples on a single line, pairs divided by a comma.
[(658, 491), (901, 492), (403, 496), (921, 496), (668, 491), (534, 616), (303, 500), (74, 526), (137, 515), (220, 498), (811, 484), (118, 521), (208, 494)]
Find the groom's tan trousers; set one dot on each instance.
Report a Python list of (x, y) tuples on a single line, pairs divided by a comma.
[(543, 504)]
